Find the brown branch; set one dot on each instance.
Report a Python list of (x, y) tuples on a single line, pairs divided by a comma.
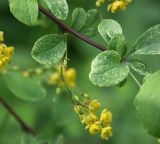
[(70, 30), (24, 126)]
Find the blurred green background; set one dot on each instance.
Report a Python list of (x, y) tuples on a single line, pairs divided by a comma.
[(49, 117)]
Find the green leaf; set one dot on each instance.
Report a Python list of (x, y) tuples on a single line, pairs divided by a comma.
[(148, 43), (148, 104), (25, 11), (58, 7), (24, 88), (152, 49), (109, 29), (106, 69), (79, 18), (91, 27), (118, 44), (139, 67), (49, 49)]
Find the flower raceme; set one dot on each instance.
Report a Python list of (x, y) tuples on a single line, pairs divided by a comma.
[(5, 52), (94, 123), (63, 76), (115, 5)]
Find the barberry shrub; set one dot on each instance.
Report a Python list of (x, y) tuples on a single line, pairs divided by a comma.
[(109, 68)]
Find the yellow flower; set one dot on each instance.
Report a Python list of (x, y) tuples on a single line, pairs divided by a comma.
[(93, 116), (1, 36), (5, 55), (8, 51), (96, 124), (70, 73), (115, 5), (106, 133), (54, 78), (118, 5), (94, 129), (94, 105), (70, 76), (106, 117), (86, 120), (78, 109)]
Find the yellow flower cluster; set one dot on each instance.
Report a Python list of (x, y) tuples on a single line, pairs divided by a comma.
[(115, 5), (118, 5), (62, 77), (5, 52), (94, 123)]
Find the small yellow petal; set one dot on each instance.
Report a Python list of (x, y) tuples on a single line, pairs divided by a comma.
[(94, 105), (106, 133), (94, 129), (78, 109)]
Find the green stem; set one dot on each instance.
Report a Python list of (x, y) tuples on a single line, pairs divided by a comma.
[(135, 79), (68, 88)]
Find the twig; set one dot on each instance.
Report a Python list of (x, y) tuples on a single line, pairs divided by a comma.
[(24, 126), (70, 30)]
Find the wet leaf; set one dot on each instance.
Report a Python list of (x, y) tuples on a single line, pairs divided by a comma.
[(49, 49), (106, 69)]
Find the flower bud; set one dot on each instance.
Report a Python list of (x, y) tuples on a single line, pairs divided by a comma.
[(106, 133), (58, 91)]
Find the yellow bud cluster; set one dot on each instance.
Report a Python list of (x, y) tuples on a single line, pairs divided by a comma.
[(60, 78), (94, 123), (115, 5), (70, 77), (118, 5), (54, 78), (31, 72), (5, 52)]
